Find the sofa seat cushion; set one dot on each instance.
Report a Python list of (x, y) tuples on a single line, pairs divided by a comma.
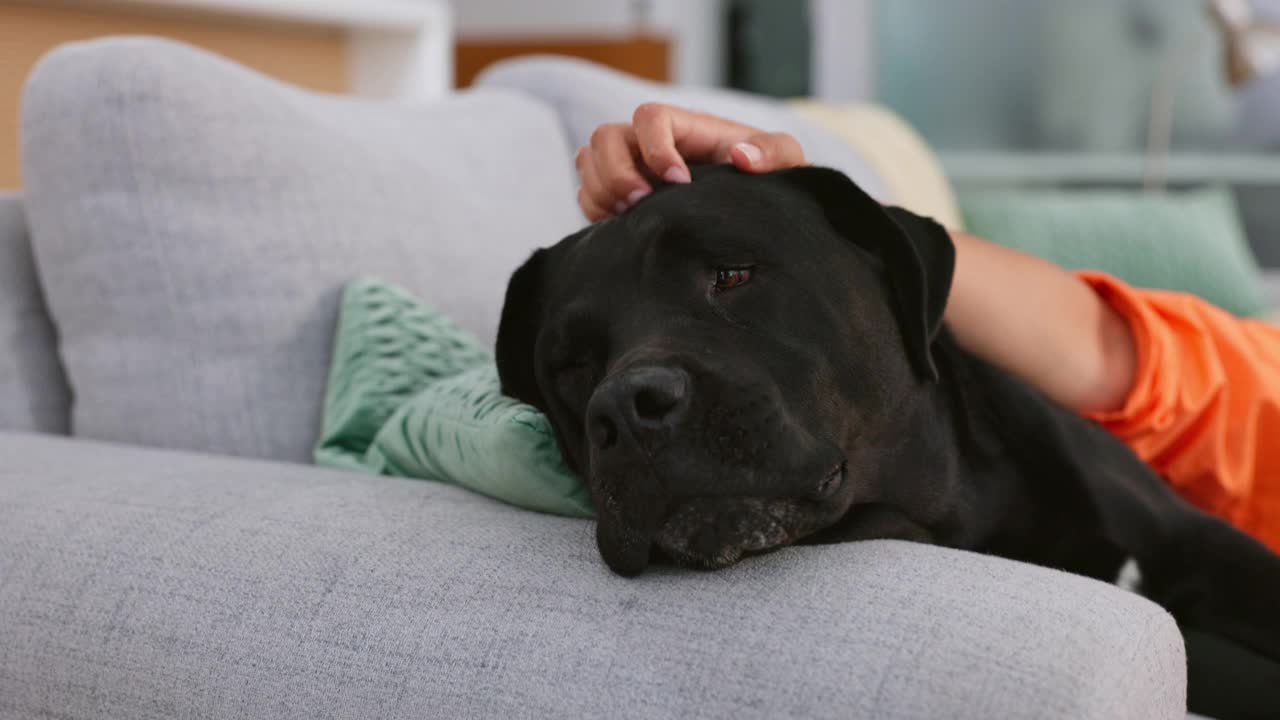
[(195, 222), (153, 584)]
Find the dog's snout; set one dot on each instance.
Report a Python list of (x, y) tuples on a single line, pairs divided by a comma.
[(658, 395), (637, 402)]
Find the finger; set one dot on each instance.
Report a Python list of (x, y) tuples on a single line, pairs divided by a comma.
[(614, 150), (594, 188), (669, 136), (589, 207), (766, 152), (651, 123)]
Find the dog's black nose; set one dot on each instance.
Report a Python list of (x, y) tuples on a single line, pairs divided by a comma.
[(636, 403)]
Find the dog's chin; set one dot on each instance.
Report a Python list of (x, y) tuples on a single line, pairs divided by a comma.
[(722, 558), (710, 532), (714, 533)]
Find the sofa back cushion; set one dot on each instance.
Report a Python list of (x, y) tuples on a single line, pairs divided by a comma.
[(586, 95), (33, 388), (195, 223)]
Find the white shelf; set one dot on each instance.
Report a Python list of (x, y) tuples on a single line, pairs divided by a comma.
[(401, 49), (381, 14), (1036, 167)]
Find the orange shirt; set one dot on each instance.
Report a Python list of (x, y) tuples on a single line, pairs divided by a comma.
[(1204, 410)]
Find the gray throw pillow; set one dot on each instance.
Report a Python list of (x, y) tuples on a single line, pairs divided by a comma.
[(195, 222), (33, 388)]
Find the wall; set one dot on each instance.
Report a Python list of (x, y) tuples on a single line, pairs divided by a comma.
[(844, 49), (693, 25), (984, 75)]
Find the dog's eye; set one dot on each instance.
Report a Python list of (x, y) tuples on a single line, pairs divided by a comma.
[(730, 278)]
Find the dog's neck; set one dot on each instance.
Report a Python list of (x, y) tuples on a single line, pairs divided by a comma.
[(946, 459), (1003, 487)]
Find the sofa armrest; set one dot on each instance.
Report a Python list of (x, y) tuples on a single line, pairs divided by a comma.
[(141, 583)]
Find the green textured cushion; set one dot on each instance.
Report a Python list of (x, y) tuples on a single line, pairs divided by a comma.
[(1189, 241), (412, 394), (388, 346), (463, 430)]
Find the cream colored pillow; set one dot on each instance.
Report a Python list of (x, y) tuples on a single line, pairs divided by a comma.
[(909, 169)]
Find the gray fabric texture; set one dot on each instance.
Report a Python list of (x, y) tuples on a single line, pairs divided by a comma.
[(33, 388), (1271, 288), (138, 583), (196, 221), (585, 95)]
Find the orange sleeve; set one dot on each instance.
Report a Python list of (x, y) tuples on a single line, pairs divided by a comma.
[(1204, 410)]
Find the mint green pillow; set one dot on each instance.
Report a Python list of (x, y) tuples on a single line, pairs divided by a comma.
[(1189, 241), (388, 346), (411, 394), (464, 431)]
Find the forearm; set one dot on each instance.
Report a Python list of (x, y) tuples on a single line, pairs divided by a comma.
[(1041, 323)]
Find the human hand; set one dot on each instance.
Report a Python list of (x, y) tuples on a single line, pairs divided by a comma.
[(624, 160)]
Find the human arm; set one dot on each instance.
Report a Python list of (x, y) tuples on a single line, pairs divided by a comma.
[(1042, 323)]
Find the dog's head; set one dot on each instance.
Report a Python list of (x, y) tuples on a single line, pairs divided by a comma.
[(721, 362)]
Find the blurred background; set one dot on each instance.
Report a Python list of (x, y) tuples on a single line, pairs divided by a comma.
[(1009, 93)]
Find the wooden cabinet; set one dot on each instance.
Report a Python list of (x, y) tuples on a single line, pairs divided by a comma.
[(396, 48), (644, 54)]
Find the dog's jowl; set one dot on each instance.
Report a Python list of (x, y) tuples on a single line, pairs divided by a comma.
[(752, 361)]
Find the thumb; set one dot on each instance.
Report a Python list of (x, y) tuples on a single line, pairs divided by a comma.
[(766, 152)]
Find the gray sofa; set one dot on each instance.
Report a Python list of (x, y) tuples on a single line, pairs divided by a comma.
[(168, 286)]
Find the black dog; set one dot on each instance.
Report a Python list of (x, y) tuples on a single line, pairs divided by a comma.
[(748, 362)]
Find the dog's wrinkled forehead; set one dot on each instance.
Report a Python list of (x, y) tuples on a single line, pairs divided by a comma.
[(722, 201), (720, 216)]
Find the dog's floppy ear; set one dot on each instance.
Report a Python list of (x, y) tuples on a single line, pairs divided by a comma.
[(918, 255), (518, 331)]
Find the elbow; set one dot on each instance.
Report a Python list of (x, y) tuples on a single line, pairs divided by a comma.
[(1110, 365)]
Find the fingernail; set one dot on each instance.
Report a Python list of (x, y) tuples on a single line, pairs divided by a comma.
[(636, 196), (752, 153), (677, 174), (619, 208)]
